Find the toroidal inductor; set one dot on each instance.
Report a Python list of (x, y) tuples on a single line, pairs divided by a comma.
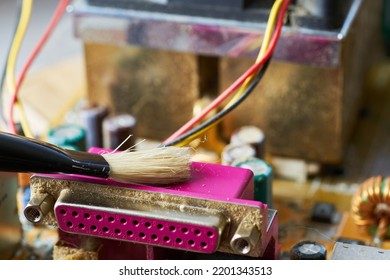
[(371, 207)]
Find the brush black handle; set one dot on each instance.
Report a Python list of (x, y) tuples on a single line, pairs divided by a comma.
[(22, 154)]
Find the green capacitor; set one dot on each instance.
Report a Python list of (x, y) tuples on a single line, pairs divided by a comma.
[(262, 175), (68, 136)]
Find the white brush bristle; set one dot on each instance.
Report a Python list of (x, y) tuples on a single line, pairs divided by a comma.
[(165, 165)]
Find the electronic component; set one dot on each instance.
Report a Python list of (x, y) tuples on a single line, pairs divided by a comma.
[(92, 117), (233, 153), (196, 216), (308, 250), (262, 176), (69, 136), (119, 132), (371, 207), (324, 212), (176, 225), (251, 135), (194, 229), (342, 251), (290, 169)]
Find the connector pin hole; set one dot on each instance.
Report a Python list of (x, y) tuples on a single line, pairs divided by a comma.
[(179, 241)]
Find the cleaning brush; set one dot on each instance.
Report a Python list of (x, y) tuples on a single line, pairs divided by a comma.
[(163, 165)]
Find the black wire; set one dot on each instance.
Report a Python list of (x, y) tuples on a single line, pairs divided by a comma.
[(223, 113), (18, 14)]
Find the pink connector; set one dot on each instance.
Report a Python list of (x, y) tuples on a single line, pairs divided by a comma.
[(127, 227), (203, 215)]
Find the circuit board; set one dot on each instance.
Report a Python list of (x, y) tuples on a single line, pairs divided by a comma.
[(313, 206)]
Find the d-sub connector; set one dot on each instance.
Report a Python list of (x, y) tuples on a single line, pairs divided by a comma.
[(141, 221)]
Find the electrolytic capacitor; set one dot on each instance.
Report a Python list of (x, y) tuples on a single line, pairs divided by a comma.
[(68, 135), (92, 119), (117, 129), (237, 152), (262, 176), (251, 135), (308, 250)]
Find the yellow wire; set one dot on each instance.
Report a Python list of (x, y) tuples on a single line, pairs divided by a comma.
[(23, 120), (264, 46), (15, 48)]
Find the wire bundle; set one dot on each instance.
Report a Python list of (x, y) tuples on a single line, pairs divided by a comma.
[(13, 85), (247, 82)]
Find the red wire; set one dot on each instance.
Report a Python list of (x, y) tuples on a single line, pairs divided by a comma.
[(60, 10), (233, 87)]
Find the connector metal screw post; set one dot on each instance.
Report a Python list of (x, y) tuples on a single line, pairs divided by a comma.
[(247, 235), (38, 207)]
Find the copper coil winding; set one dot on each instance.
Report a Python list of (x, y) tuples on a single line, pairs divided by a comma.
[(371, 206)]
